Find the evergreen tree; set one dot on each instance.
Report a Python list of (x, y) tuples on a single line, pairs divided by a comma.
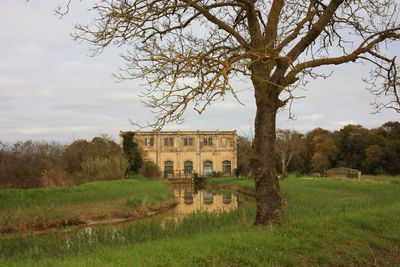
[(132, 153)]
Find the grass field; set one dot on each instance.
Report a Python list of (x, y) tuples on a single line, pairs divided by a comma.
[(244, 184), (328, 222), (35, 206), (388, 179)]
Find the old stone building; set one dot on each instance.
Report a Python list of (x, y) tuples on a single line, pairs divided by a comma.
[(181, 153)]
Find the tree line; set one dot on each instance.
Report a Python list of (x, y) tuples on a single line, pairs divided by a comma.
[(32, 164), (373, 151), (29, 164)]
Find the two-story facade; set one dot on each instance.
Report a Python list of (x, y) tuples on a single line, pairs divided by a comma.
[(181, 153)]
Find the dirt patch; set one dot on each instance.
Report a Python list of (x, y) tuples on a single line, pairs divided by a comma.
[(84, 220), (33, 226)]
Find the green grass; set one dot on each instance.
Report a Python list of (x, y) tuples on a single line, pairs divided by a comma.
[(389, 179), (245, 184), (328, 222), (330, 197), (325, 196), (98, 197), (89, 192)]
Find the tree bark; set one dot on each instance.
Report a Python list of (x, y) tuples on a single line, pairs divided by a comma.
[(268, 195)]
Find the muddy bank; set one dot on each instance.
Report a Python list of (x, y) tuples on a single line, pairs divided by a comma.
[(85, 220)]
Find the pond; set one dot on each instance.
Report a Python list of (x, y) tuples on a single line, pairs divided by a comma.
[(190, 200)]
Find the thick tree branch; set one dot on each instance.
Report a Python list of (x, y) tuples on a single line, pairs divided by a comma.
[(365, 47), (273, 20), (204, 11), (315, 30), (296, 31)]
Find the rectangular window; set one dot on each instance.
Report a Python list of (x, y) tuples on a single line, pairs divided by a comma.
[(207, 141), (223, 142), (229, 142), (188, 142), (169, 141), (149, 141)]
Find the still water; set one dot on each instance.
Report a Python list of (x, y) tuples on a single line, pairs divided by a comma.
[(194, 201)]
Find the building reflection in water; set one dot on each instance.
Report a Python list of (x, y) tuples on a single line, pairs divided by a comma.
[(190, 201)]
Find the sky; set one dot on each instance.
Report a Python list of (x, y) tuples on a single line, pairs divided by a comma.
[(52, 90)]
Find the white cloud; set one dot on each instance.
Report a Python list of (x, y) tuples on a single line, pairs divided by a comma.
[(312, 117), (64, 130), (344, 123)]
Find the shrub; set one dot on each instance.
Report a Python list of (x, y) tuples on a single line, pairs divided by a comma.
[(198, 179), (55, 177), (82, 150), (23, 163), (47, 164), (150, 169), (217, 174), (113, 167)]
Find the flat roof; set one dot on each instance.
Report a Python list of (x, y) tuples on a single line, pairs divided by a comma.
[(182, 132)]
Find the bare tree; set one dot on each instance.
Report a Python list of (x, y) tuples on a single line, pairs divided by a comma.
[(188, 51), (384, 81), (287, 144)]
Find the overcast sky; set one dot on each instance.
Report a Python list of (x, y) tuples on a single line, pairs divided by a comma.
[(50, 89)]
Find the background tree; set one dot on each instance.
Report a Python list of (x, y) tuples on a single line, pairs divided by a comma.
[(132, 152), (277, 44), (23, 164), (32, 164), (75, 154), (352, 141), (324, 150), (243, 156), (81, 150), (374, 160), (287, 145), (391, 132)]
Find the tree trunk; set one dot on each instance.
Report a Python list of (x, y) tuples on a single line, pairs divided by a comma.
[(268, 195)]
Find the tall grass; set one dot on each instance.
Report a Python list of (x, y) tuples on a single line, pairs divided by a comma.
[(113, 167), (76, 243)]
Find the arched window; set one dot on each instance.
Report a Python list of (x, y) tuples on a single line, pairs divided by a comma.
[(227, 199), (169, 167), (226, 167), (188, 167), (188, 197), (208, 167), (208, 197)]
